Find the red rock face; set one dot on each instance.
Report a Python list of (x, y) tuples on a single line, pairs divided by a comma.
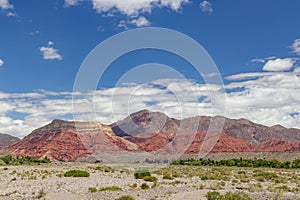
[(279, 146), (68, 141), (155, 133)]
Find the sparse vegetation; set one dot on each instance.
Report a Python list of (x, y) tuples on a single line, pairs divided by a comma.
[(228, 196)]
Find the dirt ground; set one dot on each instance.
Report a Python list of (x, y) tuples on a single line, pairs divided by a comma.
[(173, 182)]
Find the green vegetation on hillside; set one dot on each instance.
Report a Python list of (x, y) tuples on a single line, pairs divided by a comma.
[(11, 160), (256, 163)]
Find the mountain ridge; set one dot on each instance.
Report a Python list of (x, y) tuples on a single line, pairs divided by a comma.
[(155, 132)]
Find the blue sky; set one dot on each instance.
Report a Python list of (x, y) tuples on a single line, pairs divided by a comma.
[(43, 43)]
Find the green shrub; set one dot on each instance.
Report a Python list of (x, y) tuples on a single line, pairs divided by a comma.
[(214, 196), (41, 194), (168, 177), (76, 173), (104, 169), (141, 174), (92, 189), (265, 175), (111, 188), (126, 197), (228, 196), (134, 185), (150, 178), (236, 196), (145, 186), (215, 186)]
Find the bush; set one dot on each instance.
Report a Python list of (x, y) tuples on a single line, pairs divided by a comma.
[(76, 173), (41, 194), (126, 197), (145, 186), (150, 178), (214, 196), (104, 169), (92, 189), (141, 174), (228, 196), (111, 188), (167, 176), (237, 196)]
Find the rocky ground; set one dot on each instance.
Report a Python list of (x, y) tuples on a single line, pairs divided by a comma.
[(173, 182)]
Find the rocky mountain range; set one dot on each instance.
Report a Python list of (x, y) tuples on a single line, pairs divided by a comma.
[(156, 133)]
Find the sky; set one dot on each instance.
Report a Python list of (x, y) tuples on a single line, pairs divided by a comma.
[(43, 44)]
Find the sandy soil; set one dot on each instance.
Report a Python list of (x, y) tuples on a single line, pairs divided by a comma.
[(47, 182)]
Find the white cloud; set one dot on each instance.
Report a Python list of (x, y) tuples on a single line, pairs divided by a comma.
[(206, 7), (130, 8), (258, 60), (71, 2), (297, 70), (245, 76), (50, 53), (11, 14), (296, 46), (1, 62), (135, 7), (4, 4), (279, 64), (269, 99), (34, 33), (141, 21), (123, 24)]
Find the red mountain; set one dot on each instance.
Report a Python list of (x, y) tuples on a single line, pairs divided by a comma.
[(155, 132), (67, 141)]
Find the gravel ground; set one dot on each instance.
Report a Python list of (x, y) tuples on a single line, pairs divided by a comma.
[(47, 182)]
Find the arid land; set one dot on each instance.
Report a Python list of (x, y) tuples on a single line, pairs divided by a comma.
[(47, 181)]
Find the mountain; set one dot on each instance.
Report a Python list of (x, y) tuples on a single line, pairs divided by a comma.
[(61, 140), (155, 133), (152, 131), (6, 140)]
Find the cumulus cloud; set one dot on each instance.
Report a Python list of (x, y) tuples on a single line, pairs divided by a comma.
[(1, 62), (296, 46), (135, 7), (206, 7), (141, 21), (4, 4), (131, 9), (50, 53), (279, 64)]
